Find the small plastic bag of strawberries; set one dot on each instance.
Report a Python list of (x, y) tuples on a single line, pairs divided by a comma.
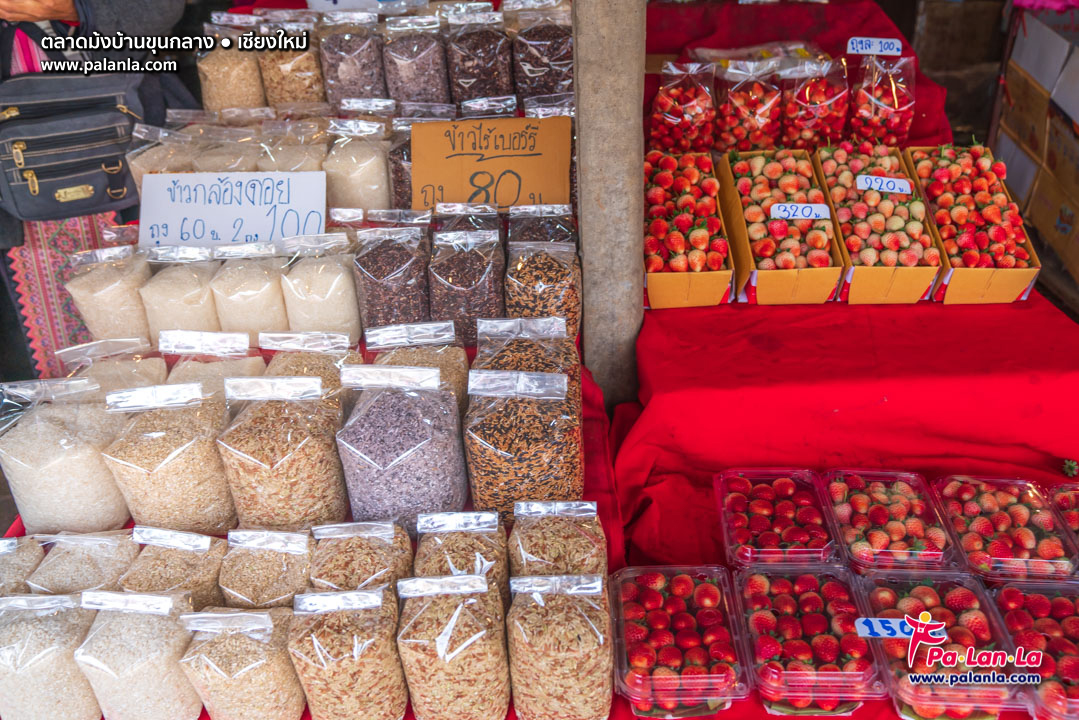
[(683, 111), (883, 102), (816, 100), (748, 115)]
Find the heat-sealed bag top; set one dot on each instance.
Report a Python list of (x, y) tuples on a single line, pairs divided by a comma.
[(105, 288), (313, 354), (227, 149), (530, 345), (541, 223), (489, 107)]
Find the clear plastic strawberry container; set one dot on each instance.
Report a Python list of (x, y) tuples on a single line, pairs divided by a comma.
[(970, 621), (1045, 616), (1006, 529), (887, 520), (677, 652), (774, 515), (1065, 499), (802, 641)]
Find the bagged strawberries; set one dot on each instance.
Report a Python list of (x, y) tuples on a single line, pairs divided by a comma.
[(683, 112), (979, 225), (1066, 501), (682, 228), (879, 228), (816, 100), (883, 108), (748, 116), (786, 177)]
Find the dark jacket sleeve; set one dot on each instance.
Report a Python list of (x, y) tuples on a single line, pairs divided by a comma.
[(131, 17)]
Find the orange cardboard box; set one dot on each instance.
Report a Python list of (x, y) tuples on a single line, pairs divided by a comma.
[(883, 285), (807, 286), (969, 286), (1025, 109)]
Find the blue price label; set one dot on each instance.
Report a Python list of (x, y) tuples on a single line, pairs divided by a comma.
[(874, 46), (799, 211), (883, 627), (897, 186)]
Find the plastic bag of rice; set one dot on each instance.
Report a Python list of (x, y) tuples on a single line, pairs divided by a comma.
[(76, 563), (210, 357), (105, 289), (530, 345), (451, 639), (560, 648), (174, 562), (18, 558), (39, 679), (115, 364), (354, 556), (312, 354), (247, 290), (178, 296), (557, 538), (431, 344), (264, 569), (131, 656), (464, 543), (344, 649), (238, 663)]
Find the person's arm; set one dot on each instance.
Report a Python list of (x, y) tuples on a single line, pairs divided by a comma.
[(38, 10), (131, 17)]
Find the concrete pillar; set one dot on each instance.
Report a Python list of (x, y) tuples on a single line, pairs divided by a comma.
[(609, 47)]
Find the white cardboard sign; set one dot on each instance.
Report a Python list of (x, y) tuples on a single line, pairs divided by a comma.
[(799, 211), (874, 46), (209, 209), (897, 186)]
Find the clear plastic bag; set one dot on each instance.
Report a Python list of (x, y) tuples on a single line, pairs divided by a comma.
[(750, 109), (52, 462), (543, 53), (178, 296), (357, 171), (816, 101), (557, 538), (229, 77), (76, 563), (238, 663), (400, 154), (280, 455), (164, 151), (166, 462), (291, 76), (105, 289), (360, 556), (112, 365), (283, 154), (39, 679), (538, 345), (465, 217), (414, 58), (319, 289), (351, 51), (453, 648), (541, 223), (264, 569), (247, 290), (543, 279), (18, 558), (466, 276), (313, 354), (424, 345), (684, 111), (131, 656), (522, 440), (175, 562), (489, 107), (465, 543), (479, 56), (512, 10), (227, 149), (882, 106), (209, 358), (391, 276), (344, 650), (560, 648), (417, 467)]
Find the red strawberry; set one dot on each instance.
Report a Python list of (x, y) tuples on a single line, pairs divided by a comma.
[(825, 648), (641, 656), (652, 580), (767, 648), (854, 646), (960, 598)]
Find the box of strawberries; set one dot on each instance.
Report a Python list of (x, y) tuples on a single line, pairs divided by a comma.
[(686, 253), (989, 258)]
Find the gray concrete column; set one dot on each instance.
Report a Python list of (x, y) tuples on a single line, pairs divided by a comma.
[(609, 47)]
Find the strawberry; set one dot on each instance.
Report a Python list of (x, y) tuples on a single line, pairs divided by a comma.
[(641, 656), (767, 648), (960, 598), (853, 646), (652, 580), (749, 111), (815, 108)]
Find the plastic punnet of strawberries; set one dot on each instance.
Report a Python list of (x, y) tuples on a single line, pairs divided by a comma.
[(887, 520), (969, 621), (787, 177), (816, 101), (1066, 501), (979, 225), (683, 231), (683, 112), (675, 652), (750, 105), (773, 516), (1045, 617), (879, 229), (805, 647), (883, 103), (1007, 528)]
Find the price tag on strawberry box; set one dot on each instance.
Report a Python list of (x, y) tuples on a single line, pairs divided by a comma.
[(896, 186), (799, 211), (874, 46)]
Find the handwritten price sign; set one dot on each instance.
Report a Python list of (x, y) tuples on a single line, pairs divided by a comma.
[(501, 161), (897, 186), (874, 46), (799, 211)]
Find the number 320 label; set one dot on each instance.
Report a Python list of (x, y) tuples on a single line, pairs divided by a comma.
[(799, 211)]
